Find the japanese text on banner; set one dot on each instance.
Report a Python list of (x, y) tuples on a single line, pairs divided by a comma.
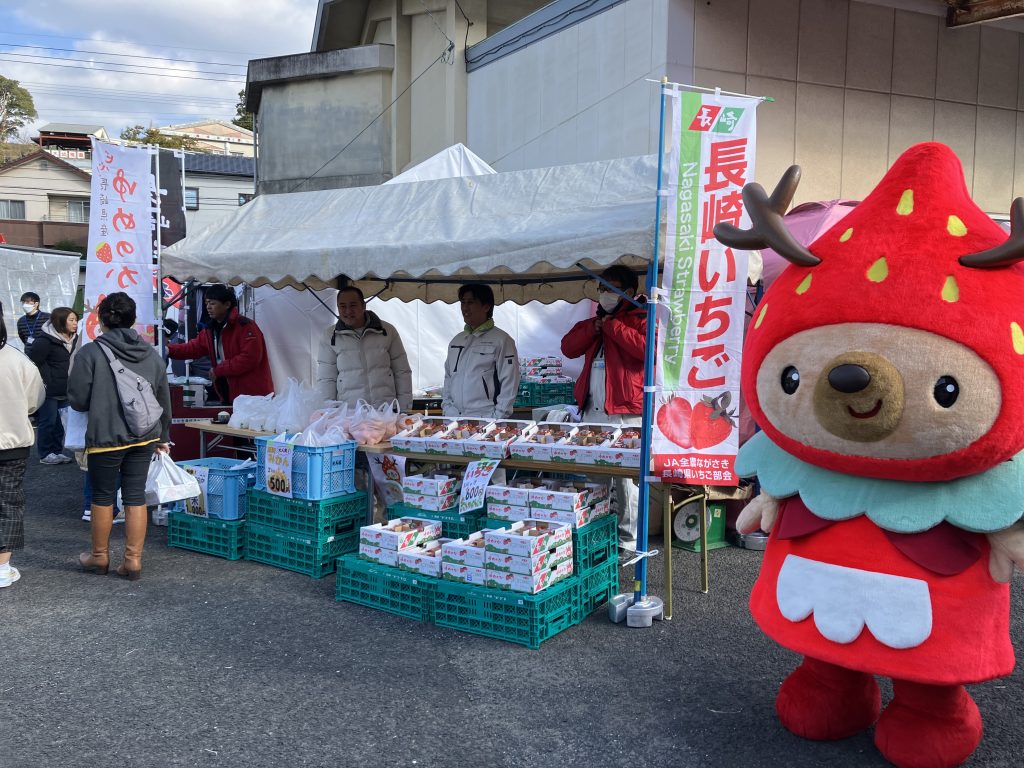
[(695, 435), (120, 255)]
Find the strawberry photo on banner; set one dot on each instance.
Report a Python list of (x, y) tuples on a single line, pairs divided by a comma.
[(695, 434)]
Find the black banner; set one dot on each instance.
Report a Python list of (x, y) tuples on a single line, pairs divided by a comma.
[(172, 196)]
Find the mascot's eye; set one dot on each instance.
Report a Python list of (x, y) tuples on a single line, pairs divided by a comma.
[(790, 380), (946, 391)]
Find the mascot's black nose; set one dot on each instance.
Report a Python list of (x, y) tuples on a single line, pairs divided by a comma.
[(849, 378)]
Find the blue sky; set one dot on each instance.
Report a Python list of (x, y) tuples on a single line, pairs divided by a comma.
[(124, 62)]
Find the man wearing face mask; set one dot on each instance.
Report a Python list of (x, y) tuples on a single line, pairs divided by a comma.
[(30, 325), (610, 389)]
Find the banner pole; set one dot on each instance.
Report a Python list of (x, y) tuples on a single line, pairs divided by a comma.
[(158, 289), (641, 610)]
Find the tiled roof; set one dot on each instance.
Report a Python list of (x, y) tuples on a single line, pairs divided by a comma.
[(224, 165)]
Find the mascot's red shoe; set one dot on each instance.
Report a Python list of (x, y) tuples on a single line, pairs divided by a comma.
[(885, 367), (823, 702), (928, 726)]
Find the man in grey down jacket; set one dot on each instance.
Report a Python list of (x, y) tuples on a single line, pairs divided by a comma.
[(362, 357)]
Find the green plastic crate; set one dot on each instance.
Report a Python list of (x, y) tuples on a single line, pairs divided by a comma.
[(596, 587), (494, 522), (387, 589), (595, 543), (310, 555), (209, 535), (453, 525), (330, 517), (513, 616)]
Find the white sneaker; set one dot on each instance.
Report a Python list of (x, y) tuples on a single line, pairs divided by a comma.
[(8, 578), (87, 515), (119, 517), (51, 458), (63, 458)]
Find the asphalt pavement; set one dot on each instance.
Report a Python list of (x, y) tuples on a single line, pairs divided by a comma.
[(206, 662)]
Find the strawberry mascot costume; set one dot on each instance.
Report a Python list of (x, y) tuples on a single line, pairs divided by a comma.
[(885, 367)]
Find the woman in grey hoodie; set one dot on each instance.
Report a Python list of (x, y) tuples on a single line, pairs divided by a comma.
[(112, 450)]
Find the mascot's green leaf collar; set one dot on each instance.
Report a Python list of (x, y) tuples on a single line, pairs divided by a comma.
[(986, 502)]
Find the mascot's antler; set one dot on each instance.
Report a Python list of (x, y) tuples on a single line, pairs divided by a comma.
[(1009, 252), (769, 230)]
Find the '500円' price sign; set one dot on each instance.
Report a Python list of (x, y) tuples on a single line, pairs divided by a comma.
[(277, 472)]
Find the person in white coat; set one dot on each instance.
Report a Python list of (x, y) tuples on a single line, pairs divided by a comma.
[(362, 357), (21, 393), (481, 373)]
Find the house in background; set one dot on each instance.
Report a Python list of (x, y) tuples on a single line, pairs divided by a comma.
[(215, 185), (70, 142), (44, 200), (219, 137)]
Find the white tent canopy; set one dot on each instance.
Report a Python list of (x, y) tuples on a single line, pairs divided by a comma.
[(457, 160), (408, 238)]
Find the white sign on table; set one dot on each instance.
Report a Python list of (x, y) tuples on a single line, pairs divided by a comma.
[(277, 473), (474, 484)]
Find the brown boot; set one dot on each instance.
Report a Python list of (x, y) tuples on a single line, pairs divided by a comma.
[(98, 561), (135, 519)]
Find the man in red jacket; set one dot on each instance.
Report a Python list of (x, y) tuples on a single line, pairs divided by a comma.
[(235, 346), (610, 389)]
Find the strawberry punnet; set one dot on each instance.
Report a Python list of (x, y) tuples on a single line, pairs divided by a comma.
[(897, 260)]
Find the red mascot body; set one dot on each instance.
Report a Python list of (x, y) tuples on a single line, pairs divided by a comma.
[(885, 367)]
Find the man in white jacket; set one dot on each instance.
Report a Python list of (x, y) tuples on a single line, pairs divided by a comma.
[(362, 357), (481, 373)]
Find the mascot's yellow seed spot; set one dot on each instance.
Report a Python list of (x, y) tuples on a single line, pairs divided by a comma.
[(950, 290), (1018, 338), (955, 227), (846, 235), (906, 204), (804, 285), (760, 316), (879, 270)]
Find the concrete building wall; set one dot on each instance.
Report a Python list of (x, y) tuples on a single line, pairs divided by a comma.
[(855, 83), (304, 125), (577, 95)]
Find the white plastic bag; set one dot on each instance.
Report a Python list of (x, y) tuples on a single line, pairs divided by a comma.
[(75, 423), (367, 425), (167, 482)]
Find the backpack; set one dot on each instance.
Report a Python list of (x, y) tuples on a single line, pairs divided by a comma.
[(139, 405)]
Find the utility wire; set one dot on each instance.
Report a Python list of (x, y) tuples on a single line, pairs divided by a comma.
[(130, 42), (445, 53), (124, 55), (122, 72), (451, 43), (115, 64)]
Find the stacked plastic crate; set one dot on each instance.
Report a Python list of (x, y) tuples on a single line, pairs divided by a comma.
[(305, 511), (214, 522)]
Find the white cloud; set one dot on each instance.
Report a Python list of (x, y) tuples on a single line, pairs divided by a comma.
[(187, 31)]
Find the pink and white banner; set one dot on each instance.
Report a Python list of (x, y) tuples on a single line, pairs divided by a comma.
[(695, 435), (121, 222)]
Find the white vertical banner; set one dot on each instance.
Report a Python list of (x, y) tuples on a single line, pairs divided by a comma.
[(120, 255), (695, 435)]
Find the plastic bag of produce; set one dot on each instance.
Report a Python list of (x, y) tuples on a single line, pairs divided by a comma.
[(167, 482)]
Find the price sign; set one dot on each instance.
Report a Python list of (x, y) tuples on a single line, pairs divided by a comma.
[(197, 504), (474, 484), (277, 474)]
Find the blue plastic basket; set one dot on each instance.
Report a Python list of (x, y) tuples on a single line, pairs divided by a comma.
[(226, 485), (317, 473)]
